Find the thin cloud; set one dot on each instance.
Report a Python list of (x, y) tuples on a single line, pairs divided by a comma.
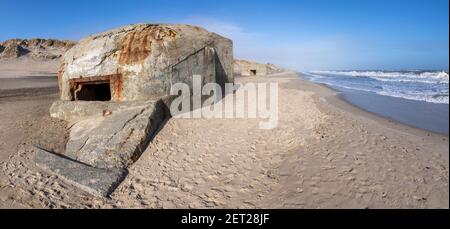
[(325, 53)]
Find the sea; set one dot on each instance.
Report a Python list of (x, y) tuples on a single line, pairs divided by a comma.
[(417, 98)]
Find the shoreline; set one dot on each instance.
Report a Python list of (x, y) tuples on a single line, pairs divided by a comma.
[(338, 99), (325, 153)]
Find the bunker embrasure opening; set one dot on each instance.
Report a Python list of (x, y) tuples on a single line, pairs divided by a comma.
[(95, 89), (94, 92)]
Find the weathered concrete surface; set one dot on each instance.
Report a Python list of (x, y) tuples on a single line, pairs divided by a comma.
[(142, 61), (94, 180), (111, 138), (74, 111)]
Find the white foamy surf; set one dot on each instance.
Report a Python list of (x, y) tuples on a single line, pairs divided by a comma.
[(428, 86)]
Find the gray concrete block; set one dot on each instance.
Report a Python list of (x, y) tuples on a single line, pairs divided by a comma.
[(95, 180)]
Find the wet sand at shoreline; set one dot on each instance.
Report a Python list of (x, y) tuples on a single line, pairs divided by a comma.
[(428, 116), (325, 153)]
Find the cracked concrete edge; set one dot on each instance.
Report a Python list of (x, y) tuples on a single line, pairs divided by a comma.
[(74, 111)]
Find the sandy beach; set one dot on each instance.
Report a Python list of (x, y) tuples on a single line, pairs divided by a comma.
[(19, 68), (325, 153)]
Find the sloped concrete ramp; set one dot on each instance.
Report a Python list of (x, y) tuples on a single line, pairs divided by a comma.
[(114, 139), (105, 139)]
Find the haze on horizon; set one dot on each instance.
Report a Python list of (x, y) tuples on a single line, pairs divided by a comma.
[(301, 35)]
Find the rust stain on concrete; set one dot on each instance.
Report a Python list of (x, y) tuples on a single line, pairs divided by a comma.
[(136, 45), (116, 87)]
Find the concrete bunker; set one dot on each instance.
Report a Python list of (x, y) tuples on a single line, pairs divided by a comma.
[(142, 61), (115, 90), (249, 68)]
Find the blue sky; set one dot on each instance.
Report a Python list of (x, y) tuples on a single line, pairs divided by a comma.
[(302, 35)]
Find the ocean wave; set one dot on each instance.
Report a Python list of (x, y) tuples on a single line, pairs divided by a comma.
[(430, 98), (433, 92), (429, 77)]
